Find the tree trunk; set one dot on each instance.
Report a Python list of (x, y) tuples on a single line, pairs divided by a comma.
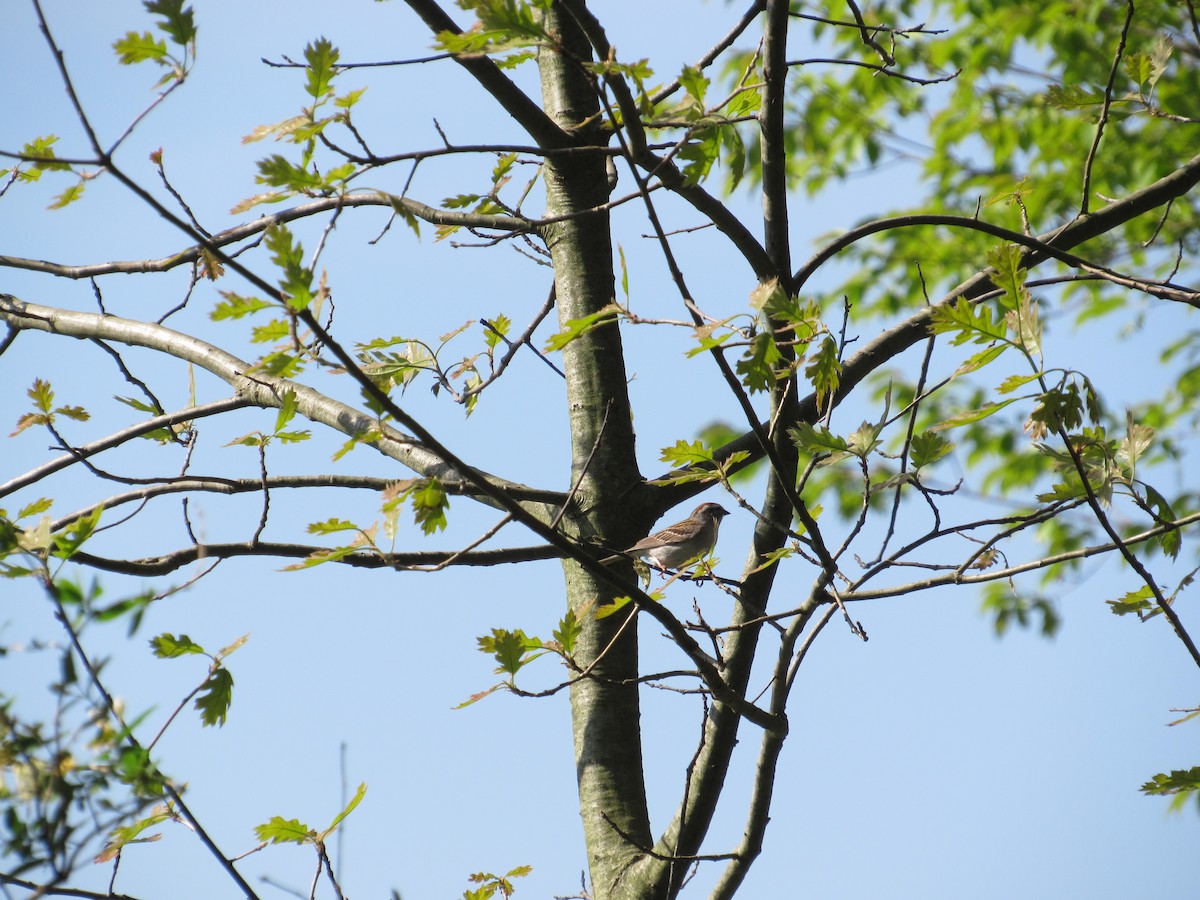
[(605, 705)]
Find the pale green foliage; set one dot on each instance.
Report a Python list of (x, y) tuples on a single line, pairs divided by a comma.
[(998, 403)]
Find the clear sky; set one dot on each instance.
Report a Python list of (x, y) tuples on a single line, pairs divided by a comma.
[(935, 761)]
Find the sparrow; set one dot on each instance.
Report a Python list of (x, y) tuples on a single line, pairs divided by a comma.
[(681, 543)]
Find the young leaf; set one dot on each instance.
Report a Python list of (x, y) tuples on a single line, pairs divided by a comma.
[(329, 526), (284, 831), (233, 647), (235, 306), (1139, 601), (354, 801), (430, 502), (128, 834), (136, 48), (757, 367), (825, 371), (973, 415), (1137, 440), (42, 395), (686, 453), (287, 410), (289, 256), (1010, 274), (577, 328), (817, 439), (1180, 780), (496, 329), (568, 631), (695, 83), (928, 447), (509, 649), (179, 22), (215, 697), (168, 646), (39, 505), (322, 58)]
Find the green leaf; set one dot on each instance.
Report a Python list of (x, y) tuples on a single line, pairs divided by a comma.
[(128, 834), (274, 331), (504, 164), (67, 197), (757, 367), (405, 213), (503, 25), (39, 505), (284, 831), (1138, 439), (215, 697), (135, 768), (928, 447), (42, 151), (168, 646), (253, 439), (816, 440), (236, 306), (1179, 780), (1138, 602), (330, 526), (1009, 608), (699, 154), (430, 502), (509, 649), (288, 255), (973, 415), (1170, 541), (41, 394), (865, 439), (568, 631), (322, 58), (75, 534), (287, 410), (825, 371), (278, 171), (77, 413), (1014, 382), (768, 295), (1025, 324), (617, 604), (350, 98), (136, 48), (1072, 96), (1010, 274), (704, 336), (350, 807), (178, 21), (686, 453), (139, 405), (577, 328), (695, 83), (967, 322), (499, 328)]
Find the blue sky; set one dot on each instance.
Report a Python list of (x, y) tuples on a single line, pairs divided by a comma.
[(934, 761)]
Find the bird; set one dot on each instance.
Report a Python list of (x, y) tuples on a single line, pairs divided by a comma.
[(681, 543)]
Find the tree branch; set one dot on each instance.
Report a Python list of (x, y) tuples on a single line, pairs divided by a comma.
[(166, 563), (116, 439), (257, 389), (514, 101)]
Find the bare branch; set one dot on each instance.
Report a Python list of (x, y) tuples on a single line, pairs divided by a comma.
[(120, 437)]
